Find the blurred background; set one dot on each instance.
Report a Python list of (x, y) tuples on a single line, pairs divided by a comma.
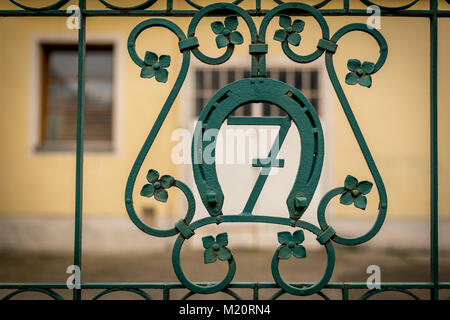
[(38, 91)]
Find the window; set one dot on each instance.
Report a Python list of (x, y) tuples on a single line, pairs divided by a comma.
[(59, 97), (209, 80)]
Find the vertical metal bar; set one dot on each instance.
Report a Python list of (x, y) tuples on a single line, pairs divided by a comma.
[(346, 6), (345, 292), (256, 291), (258, 5), (434, 263), (166, 293), (80, 141), (169, 6)]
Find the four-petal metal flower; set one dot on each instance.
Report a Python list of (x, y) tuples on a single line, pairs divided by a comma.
[(227, 33), (355, 192), (290, 31), (291, 244), (359, 73), (154, 66), (216, 248), (156, 186)]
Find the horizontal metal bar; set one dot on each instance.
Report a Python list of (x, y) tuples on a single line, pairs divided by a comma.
[(190, 13), (233, 285)]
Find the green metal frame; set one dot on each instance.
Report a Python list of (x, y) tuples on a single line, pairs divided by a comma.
[(257, 88)]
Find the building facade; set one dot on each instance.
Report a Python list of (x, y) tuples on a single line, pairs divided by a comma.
[(37, 123)]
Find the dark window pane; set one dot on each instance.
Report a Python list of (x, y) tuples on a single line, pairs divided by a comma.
[(62, 94), (273, 110), (270, 110), (98, 125), (282, 76), (298, 80), (315, 103), (215, 79), (199, 81), (231, 76), (98, 93), (198, 105), (314, 80), (60, 84), (60, 124), (247, 110), (266, 109), (99, 63), (63, 63), (281, 112)]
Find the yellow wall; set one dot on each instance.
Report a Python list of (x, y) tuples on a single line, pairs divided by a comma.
[(393, 115)]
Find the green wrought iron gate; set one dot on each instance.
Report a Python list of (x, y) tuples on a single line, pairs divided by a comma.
[(257, 88)]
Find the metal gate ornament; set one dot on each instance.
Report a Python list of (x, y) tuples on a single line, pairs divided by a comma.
[(299, 110), (219, 109), (157, 66)]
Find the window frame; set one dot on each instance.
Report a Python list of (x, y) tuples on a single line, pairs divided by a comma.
[(202, 94), (38, 92)]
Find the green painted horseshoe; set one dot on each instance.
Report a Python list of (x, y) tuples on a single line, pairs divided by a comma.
[(299, 110)]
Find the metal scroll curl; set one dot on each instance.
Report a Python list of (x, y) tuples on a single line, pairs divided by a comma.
[(281, 292), (390, 9), (229, 292), (52, 294), (149, 66), (58, 4), (135, 291), (318, 5), (382, 207), (291, 244), (204, 289), (197, 6), (291, 30), (223, 7), (144, 5), (374, 292)]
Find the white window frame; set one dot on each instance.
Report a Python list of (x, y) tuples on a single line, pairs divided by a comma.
[(35, 112)]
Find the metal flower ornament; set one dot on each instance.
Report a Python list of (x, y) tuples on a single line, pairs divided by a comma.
[(291, 30), (156, 186), (216, 248), (355, 192), (227, 33), (291, 244), (359, 73), (155, 66)]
